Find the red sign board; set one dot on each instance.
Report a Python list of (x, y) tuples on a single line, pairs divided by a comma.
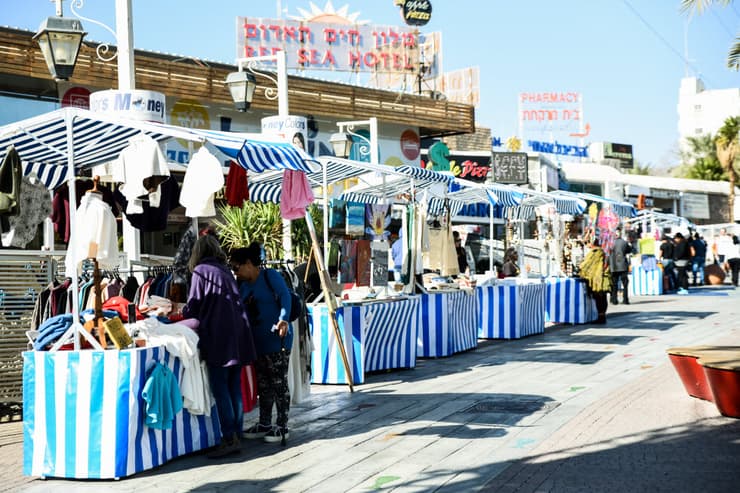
[(410, 144)]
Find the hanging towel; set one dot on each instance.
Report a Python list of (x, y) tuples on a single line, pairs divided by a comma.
[(295, 195), (355, 219), (162, 397), (237, 191)]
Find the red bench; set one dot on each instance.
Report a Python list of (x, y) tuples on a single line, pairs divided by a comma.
[(711, 373), (722, 371)]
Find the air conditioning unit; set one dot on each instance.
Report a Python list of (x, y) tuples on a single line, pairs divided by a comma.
[(436, 95)]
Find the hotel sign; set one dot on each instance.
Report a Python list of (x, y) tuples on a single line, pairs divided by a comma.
[(326, 46)]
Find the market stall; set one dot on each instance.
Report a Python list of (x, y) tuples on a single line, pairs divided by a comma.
[(96, 394), (448, 323), (448, 314), (567, 301), (378, 335), (646, 272), (511, 309), (83, 415)]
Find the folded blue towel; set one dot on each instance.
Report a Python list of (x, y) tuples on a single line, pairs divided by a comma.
[(52, 329)]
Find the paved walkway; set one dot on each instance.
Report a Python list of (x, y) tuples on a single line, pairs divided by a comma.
[(580, 408)]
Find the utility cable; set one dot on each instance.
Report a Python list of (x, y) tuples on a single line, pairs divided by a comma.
[(660, 37)]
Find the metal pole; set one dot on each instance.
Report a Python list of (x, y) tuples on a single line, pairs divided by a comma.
[(374, 158), (126, 82), (325, 212), (282, 84), (282, 88)]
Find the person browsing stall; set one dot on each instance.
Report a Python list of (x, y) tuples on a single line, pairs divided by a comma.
[(462, 259), (681, 259), (225, 337), (595, 270), (267, 299), (619, 266), (510, 267)]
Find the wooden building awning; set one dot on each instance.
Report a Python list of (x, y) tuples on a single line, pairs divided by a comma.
[(24, 72)]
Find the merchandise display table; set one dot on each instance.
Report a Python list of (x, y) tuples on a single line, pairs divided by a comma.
[(567, 301), (379, 335), (510, 310), (448, 323), (646, 282), (83, 415)]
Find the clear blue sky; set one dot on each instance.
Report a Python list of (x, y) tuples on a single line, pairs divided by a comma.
[(624, 56)]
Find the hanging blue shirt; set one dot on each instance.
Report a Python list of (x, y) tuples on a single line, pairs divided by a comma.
[(162, 396)]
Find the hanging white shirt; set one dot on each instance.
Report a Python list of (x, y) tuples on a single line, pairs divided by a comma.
[(202, 180), (94, 235), (141, 167)]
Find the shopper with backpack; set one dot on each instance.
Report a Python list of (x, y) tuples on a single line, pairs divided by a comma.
[(268, 303)]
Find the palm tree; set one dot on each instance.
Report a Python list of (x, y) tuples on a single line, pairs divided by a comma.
[(700, 160), (733, 57), (639, 169), (728, 144)]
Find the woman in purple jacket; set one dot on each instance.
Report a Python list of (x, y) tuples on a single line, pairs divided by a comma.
[(225, 335)]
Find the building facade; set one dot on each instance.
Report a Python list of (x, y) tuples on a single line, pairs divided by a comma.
[(702, 111)]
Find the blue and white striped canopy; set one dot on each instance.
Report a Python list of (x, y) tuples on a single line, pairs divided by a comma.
[(258, 153), (398, 181), (622, 209), (264, 192), (44, 143), (562, 204), (337, 169), (436, 206)]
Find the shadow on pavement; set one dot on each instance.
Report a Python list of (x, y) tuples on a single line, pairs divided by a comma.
[(703, 457), (459, 416)]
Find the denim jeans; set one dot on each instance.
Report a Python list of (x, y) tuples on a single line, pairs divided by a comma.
[(697, 267), (670, 269), (227, 391)]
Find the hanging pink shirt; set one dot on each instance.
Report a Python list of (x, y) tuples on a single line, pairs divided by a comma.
[(296, 194)]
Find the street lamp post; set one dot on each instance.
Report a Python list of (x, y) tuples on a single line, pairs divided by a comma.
[(60, 39), (242, 84)]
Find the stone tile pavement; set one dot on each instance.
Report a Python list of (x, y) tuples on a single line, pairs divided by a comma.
[(580, 408)]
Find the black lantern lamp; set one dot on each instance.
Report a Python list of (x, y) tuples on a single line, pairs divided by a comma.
[(241, 85), (60, 39)]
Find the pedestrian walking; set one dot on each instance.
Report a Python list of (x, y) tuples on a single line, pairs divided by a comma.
[(724, 249), (225, 337), (681, 258), (733, 259), (698, 258), (665, 253), (619, 266), (595, 270), (267, 300)]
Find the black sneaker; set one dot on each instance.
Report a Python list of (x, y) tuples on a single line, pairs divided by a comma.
[(257, 431), (277, 434)]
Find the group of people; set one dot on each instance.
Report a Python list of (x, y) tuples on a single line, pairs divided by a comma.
[(677, 255), (243, 319), (683, 256)]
